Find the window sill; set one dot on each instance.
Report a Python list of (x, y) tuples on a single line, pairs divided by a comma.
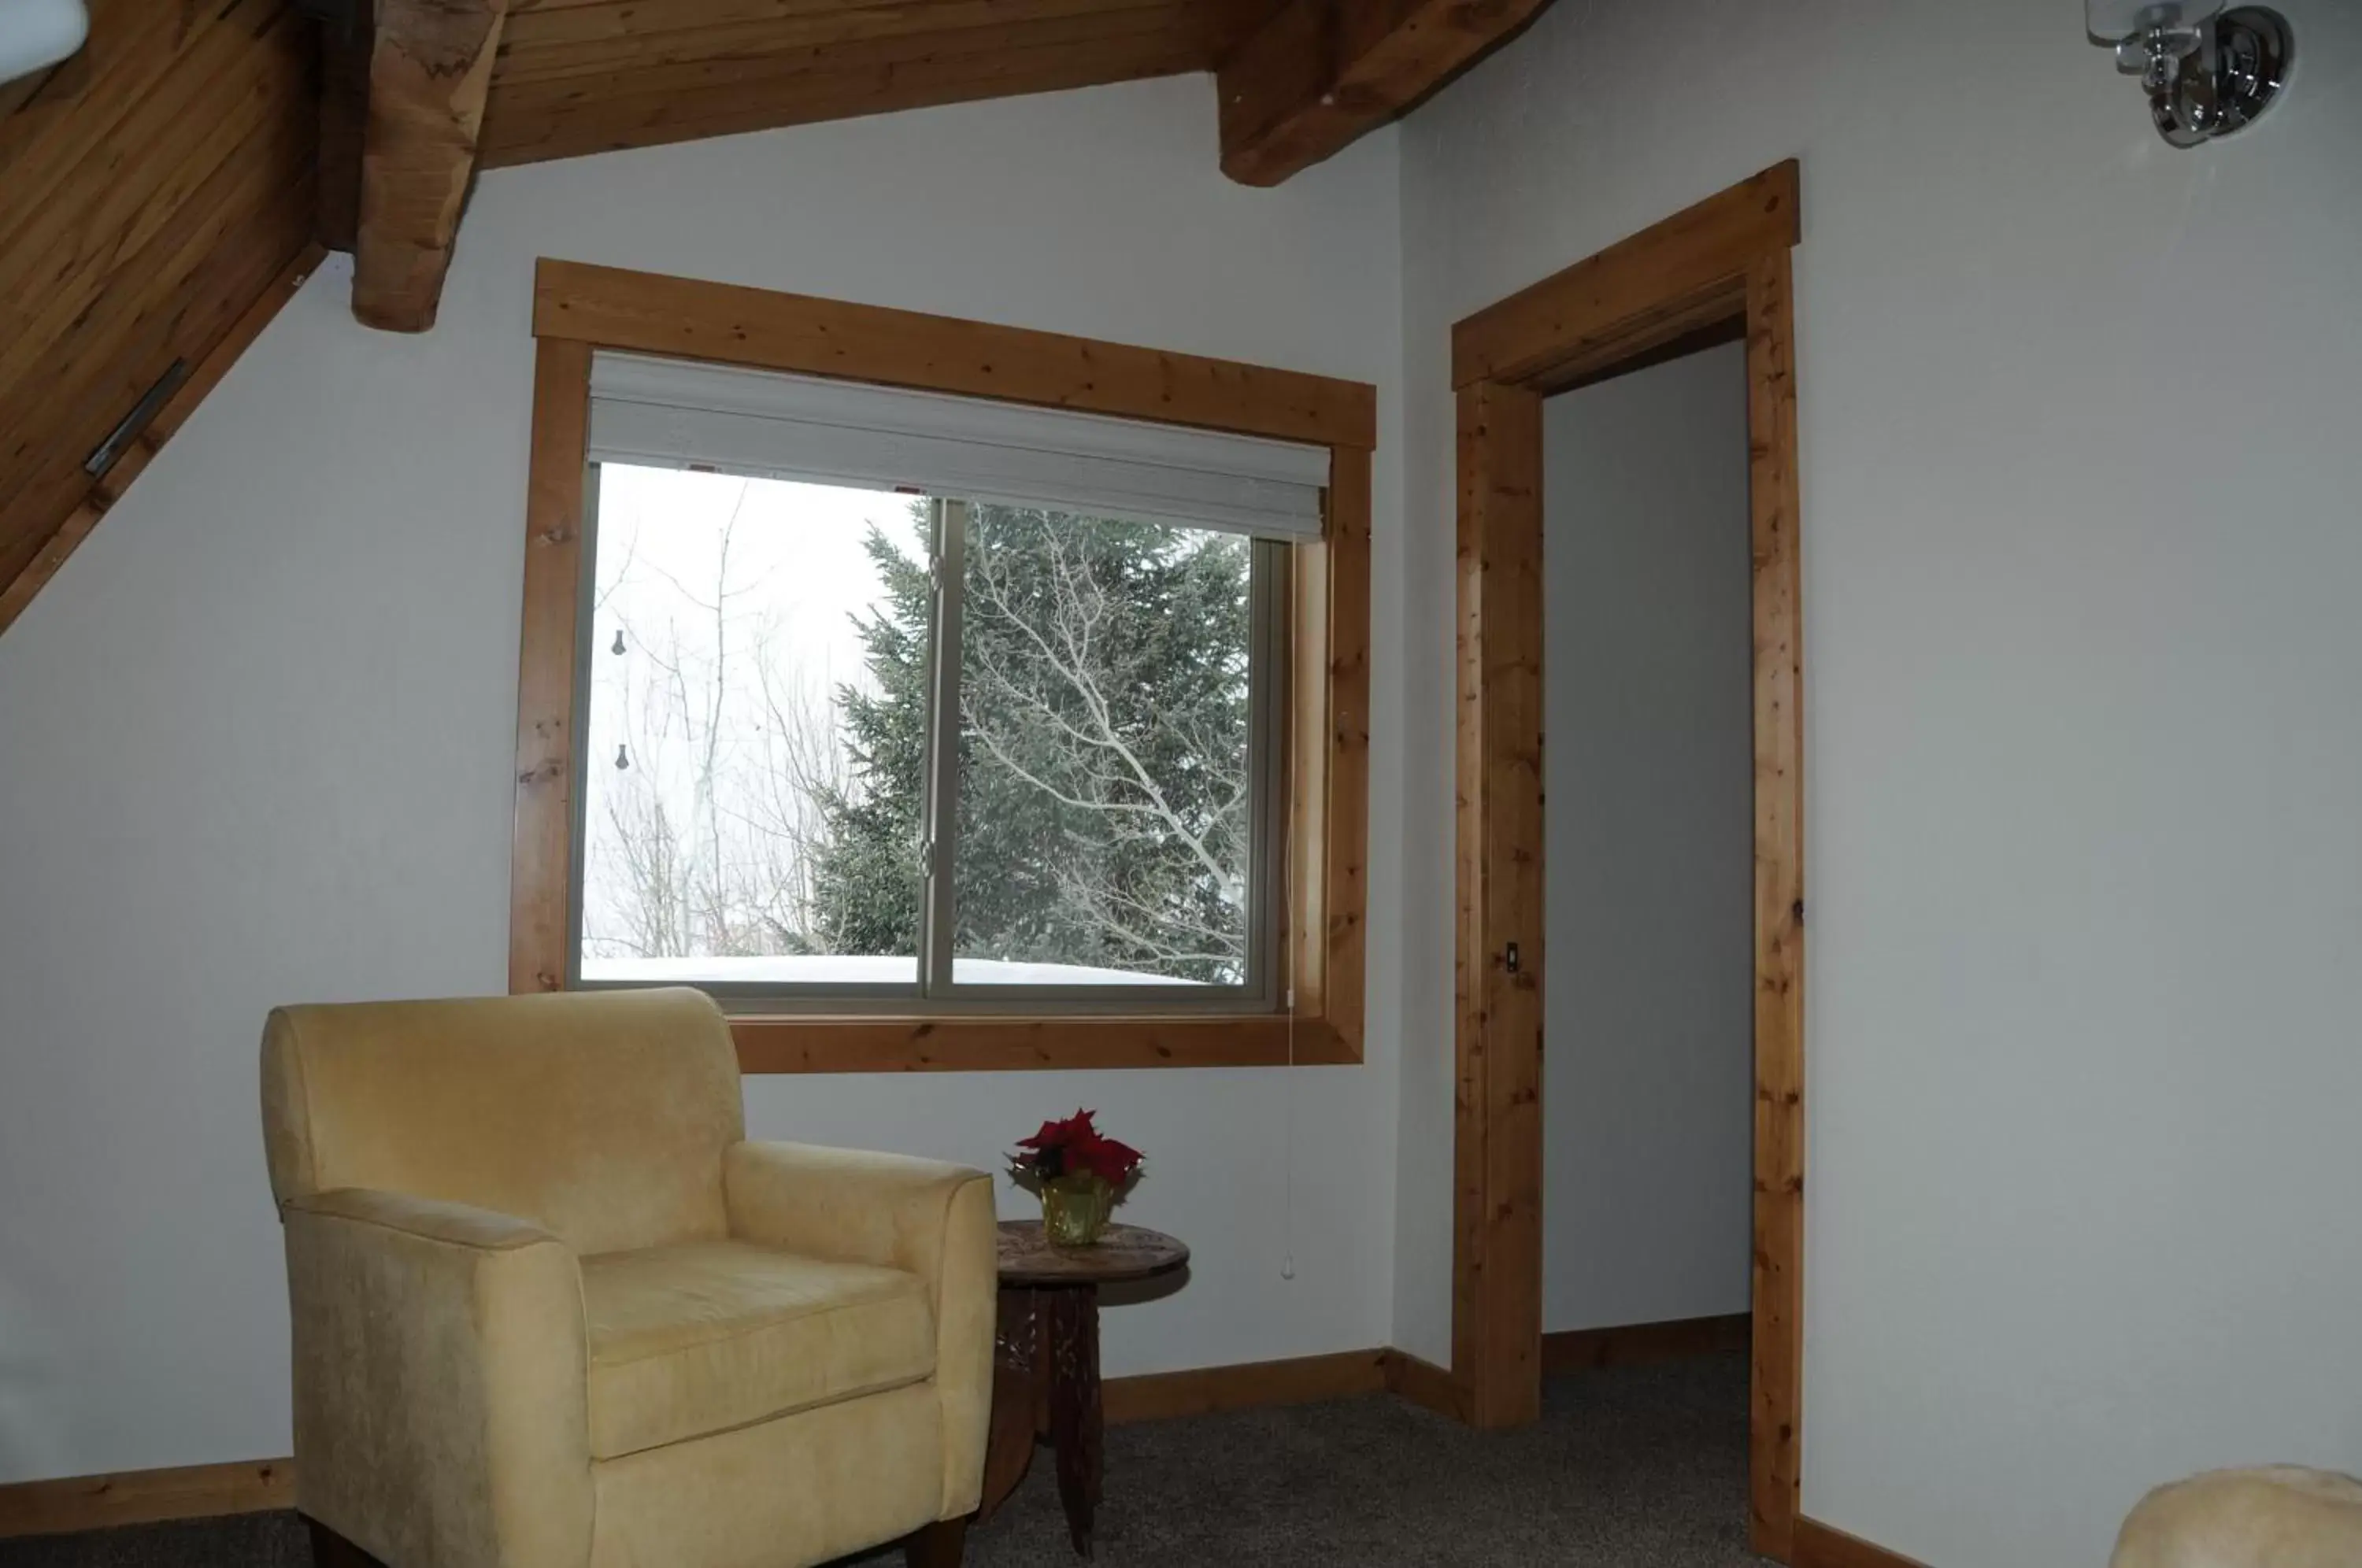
[(1005, 1042)]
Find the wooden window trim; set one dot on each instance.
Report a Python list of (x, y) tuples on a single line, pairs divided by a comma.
[(579, 308), (1724, 262)]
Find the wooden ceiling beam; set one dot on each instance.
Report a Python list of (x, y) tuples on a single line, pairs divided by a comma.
[(786, 75), (345, 45), (773, 44), (430, 71), (620, 21), (520, 131), (1321, 74)]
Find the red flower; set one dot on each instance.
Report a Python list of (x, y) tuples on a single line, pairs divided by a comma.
[(1075, 1146), (1105, 1158), (1060, 1134)]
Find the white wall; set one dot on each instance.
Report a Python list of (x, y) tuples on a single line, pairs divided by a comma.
[(255, 742), (2082, 554), (1648, 996)]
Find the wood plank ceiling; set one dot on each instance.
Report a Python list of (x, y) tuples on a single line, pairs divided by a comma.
[(575, 76), (162, 189), (151, 188)]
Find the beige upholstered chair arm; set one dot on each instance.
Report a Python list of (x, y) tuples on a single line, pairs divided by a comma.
[(932, 1218), (851, 1205), (423, 1217), (440, 1381)]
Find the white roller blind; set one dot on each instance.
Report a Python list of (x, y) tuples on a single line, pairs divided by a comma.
[(675, 414)]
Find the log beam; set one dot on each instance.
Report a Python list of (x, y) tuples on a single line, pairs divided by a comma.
[(346, 34), (430, 69), (1321, 74)]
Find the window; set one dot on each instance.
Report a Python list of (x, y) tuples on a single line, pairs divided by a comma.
[(1002, 447), (896, 700)]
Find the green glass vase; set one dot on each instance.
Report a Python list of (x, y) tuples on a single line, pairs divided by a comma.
[(1074, 1209)]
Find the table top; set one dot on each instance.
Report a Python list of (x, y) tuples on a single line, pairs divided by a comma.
[(1122, 1252)]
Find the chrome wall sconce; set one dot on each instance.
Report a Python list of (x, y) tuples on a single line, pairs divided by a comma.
[(2207, 72)]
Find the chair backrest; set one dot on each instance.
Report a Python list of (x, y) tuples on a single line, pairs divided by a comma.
[(600, 1115)]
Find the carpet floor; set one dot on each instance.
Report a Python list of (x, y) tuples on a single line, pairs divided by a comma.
[(1629, 1467)]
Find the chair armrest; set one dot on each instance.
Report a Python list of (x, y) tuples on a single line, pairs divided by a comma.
[(929, 1218), (427, 1218), (441, 1380), (850, 1204)]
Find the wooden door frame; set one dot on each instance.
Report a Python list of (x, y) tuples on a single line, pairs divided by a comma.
[(1721, 264)]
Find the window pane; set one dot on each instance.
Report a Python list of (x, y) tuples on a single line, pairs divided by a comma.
[(1105, 797), (756, 669)]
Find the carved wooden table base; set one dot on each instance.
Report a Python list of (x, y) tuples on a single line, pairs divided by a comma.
[(1047, 1367)]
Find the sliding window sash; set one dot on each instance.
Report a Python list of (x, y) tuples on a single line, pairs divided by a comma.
[(734, 996), (1269, 595)]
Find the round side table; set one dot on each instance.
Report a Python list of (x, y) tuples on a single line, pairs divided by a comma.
[(1047, 1367)]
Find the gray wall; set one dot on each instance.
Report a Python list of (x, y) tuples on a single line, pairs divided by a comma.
[(1646, 711)]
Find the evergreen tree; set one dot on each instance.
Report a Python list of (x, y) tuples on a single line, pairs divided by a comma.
[(1104, 811), (867, 877)]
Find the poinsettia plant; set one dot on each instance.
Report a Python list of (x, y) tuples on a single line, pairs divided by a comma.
[(1072, 1146)]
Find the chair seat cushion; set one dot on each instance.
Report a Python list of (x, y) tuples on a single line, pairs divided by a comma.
[(704, 1336)]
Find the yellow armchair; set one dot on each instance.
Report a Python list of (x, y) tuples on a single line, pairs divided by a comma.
[(550, 1307)]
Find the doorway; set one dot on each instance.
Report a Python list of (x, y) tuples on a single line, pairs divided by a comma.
[(1647, 813), (1718, 268)]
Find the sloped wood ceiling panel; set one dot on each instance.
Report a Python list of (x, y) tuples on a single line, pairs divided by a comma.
[(576, 76), (151, 190)]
